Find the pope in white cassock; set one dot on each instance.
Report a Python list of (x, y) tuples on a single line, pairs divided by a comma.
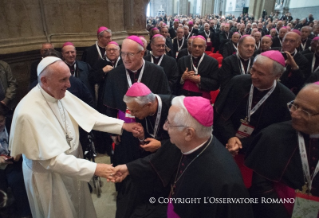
[(45, 131)]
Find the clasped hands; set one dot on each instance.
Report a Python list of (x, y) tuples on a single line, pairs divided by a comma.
[(233, 145), (190, 75), (112, 174)]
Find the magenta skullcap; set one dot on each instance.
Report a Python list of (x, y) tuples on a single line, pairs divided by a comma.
[(244, 36), (157, 35), (176, 20), (296, 31), (67, 43), (283, 27), (267, 36), (192, 37), (155, 28), (113, 43), (226, 24), (136, 39), (200, 37), (138, 89), (315, 39), (273, 28), (317, 83), (190, 22), (275, 56), (200, 109), (101, 29)]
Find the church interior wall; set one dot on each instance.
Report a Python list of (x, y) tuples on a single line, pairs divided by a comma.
[(235, 7), (301, 9)]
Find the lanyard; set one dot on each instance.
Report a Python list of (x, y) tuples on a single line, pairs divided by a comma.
[(280, 41), (158, 117), (257, 106), (98, 50), (304, 161), (207, 35), (179, 47), (129, 81), (74, 75), (117, 61), (200, 61), (242, 66), (313, 64), (258, 46), (235, 47), (160, 60), (303, 45), (227, 35)]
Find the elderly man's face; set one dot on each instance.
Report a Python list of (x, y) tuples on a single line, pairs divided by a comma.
[(58, 81), (282, 32), (198, 47), (186, 31), (176, 24), (45, 47), (175, 134), (226, 28), (235, 38), (273, 33), (290, 42), (112, 52), (247, 48), (105, 38), (206, 27), (139, 111), (261, 74), (313, 45), (257, 36), (131, 56), (279, 25), (69, 54), (189, 45), (158, 46), (164, 32), (180, 33), (305, 32), (305, 114), (266, 43)]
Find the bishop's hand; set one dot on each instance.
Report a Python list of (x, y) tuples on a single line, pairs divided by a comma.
[(233, 145), (121, 172), (107, 68), (187, 74), (151, 145), (291, 61)]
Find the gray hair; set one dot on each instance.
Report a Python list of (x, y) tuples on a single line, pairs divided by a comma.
[(101, 33), (206, 24), (187, 27), (183, 118), (153, 39), (141, 100), (277, 69)]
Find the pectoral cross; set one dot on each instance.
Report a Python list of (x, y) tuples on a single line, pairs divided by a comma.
[(68, 139), (173, 186), (304, 189)]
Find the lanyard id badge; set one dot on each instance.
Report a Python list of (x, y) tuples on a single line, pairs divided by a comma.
[(244, 130), (306, 206)]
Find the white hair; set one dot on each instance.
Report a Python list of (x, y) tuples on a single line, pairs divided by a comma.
[(102, 32), (185, 26), (183, 118), (141, 100)]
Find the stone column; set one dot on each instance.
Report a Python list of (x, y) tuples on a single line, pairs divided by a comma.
[(135, 17), (256, 7), (183, 7)]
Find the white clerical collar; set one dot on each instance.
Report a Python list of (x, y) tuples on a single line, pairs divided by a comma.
[(70, 64), (47, 96), (261, 90), (241, 57), (195, 149), (194, 57), (315, 136)]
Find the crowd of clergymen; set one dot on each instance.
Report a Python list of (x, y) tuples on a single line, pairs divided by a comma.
[(256, 70)]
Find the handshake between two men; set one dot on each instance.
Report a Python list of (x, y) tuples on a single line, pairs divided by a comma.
[(120, 172)]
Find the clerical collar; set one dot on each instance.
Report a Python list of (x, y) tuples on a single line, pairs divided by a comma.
[(242, 58), (195, 149), (261, 90), (157, 57), (47, 96), (71, 65), (194, 57)]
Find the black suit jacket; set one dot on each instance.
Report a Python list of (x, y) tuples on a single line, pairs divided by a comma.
[(170, 68), (228, 49), (182, 53), (276, 42), (175, 45), (208, 70), (91, 55)]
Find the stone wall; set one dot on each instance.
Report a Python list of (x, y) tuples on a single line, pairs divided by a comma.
[(26, 24)]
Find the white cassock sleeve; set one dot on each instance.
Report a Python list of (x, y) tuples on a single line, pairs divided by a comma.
[(69, 165)]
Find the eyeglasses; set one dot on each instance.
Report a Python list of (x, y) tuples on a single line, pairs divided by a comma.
[(129, 55), (293, 107), (168, 125)]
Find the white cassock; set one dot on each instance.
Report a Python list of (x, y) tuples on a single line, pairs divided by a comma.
[(55, 175)]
